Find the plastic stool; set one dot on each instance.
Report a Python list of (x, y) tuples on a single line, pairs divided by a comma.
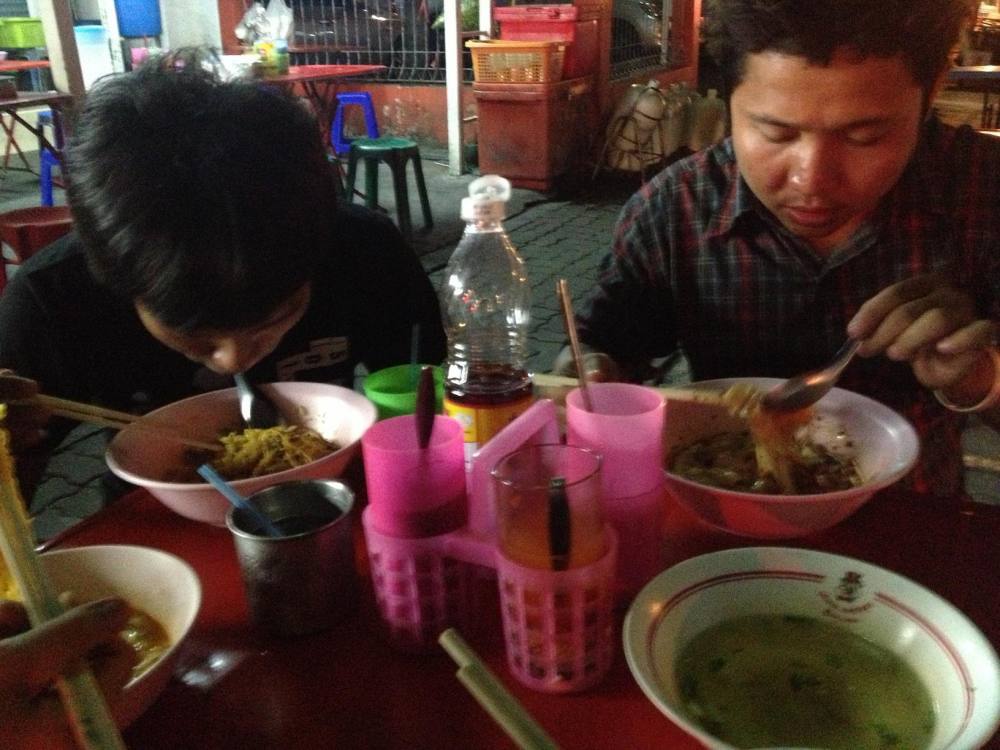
[(395, 152), (28, 230), (46, 162), (341, 144)]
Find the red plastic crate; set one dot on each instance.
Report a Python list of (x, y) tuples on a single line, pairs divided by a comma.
[(553, 23)]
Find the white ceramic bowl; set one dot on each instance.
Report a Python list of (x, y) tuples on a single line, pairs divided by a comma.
[(952, 658), (886, 448), (145, 459), (160, 584)]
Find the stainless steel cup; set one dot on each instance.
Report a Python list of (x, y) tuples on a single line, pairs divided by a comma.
[(304, 580)]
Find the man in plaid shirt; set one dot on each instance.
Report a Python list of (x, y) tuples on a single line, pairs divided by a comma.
[(838, 208)]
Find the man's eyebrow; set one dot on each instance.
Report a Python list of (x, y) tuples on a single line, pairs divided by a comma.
[(865, 122)]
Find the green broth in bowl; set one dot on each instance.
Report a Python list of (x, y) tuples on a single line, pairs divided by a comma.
[(770, 680)]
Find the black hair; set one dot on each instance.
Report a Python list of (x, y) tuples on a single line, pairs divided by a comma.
[(924, 32), (207, 201)]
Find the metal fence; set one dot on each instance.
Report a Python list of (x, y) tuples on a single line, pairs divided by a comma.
[(407, 36)]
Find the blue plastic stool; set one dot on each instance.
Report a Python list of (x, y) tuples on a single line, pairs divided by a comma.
[(342, 145), (47, 160)]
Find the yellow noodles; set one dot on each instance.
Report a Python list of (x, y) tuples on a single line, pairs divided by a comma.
[(254, 452)]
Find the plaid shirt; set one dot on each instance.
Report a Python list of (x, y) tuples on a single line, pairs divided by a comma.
[(698, 263)]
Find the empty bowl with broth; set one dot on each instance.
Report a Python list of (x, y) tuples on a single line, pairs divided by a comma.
[(164, 592), (166, 468), (881, 445), (777, 647)]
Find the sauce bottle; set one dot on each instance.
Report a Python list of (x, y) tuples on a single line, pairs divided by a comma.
[(485, 305)]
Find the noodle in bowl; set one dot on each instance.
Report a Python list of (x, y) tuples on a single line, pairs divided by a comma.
[(884, 447), (341, 416)]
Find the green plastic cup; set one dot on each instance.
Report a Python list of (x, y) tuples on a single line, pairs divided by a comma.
[(394, 389)]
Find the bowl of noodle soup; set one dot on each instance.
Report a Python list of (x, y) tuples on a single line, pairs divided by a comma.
[(164, 596), (167, 469), (879, 444)]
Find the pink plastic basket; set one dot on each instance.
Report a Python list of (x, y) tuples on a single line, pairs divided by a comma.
[(558, 625), (419, 590)]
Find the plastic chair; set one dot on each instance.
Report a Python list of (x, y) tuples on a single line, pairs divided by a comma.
[(27, 230), (395, 152), (341, 144)]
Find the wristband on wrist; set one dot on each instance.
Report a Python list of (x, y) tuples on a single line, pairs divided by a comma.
[(989, 401)]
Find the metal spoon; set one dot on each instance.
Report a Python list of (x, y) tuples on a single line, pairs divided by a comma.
[(257, 410), (806, 389)]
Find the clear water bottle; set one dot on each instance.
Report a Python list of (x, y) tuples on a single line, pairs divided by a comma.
[(485, 305)]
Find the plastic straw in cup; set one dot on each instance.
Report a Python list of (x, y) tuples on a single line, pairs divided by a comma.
[(490, 693), (213, 477)]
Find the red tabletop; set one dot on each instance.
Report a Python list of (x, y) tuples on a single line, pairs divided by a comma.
[(300, 73), (15, 66), (346, 688)]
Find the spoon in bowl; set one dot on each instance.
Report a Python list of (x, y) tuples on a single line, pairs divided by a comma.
[(257, 410), (808, 388)]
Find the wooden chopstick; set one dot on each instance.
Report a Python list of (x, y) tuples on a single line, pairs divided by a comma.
[(99, 415), (562, 287), (556, 387), (491, 694), (985, 463), (88, 713)]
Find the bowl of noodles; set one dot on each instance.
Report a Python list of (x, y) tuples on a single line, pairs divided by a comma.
[(830, 461), (163, 594), (326, 423)]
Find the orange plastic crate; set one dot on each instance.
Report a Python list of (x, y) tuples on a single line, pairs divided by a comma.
[(500, 61)]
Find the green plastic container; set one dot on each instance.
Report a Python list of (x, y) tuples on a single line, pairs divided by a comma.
[(394, 390), (21, 32)]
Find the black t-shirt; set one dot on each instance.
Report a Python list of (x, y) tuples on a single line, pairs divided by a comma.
[(58, 326)]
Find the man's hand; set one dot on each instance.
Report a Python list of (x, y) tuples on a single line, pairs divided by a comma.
[(31, 714), (929, 323), (598, 367), (24, 422)]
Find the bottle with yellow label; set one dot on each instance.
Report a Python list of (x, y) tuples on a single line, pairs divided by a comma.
[(486, 309)]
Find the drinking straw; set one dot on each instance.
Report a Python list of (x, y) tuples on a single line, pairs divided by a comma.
[(562, 288), (215, 479), (89, 718), (490, 693)]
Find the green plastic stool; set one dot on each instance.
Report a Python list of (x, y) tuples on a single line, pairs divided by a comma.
[(395, 152)]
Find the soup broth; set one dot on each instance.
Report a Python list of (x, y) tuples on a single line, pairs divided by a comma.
[(781, 680)]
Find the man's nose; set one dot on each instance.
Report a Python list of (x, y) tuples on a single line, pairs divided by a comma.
[(815, 167), (232, 355)]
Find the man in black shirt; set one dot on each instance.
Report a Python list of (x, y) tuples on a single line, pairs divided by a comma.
[(208, 241)]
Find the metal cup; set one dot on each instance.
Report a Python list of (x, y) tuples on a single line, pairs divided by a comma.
[(304, 580)]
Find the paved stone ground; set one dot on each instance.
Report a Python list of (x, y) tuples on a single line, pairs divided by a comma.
[(559, 236)]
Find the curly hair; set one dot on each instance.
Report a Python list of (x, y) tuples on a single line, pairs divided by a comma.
[(209, 201), (924, 32)]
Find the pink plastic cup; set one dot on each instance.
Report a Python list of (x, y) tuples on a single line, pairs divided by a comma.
[(415, 492), (626, 429)]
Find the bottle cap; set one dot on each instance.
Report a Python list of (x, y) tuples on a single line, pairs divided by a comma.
[(487, 200)]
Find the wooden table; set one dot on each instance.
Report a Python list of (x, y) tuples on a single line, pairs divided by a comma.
[(319, 84), (345, 688), (984, 78)]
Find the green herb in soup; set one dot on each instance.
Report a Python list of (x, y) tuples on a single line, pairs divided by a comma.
[(779, 680)]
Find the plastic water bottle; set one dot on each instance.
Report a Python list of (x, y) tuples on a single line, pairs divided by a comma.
[(485, 304)]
